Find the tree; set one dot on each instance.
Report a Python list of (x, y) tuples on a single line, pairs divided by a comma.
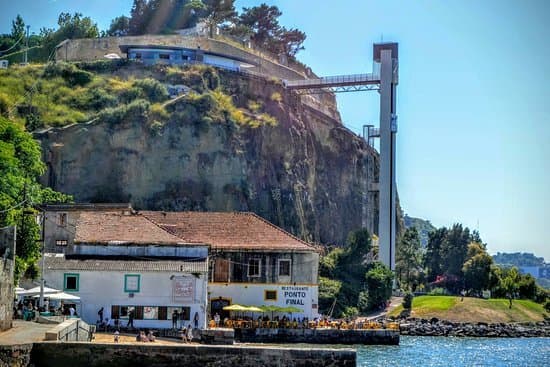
[(217, 12), (454, 252), (379, 279), (120, 26), (20, 168), (433, 258), (263, 21), (510, 284), (477, 268), (136, 23), (291, 41), (18, 29), (70, 27), (408, 256)]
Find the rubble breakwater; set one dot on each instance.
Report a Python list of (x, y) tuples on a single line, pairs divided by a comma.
[(436, 327)]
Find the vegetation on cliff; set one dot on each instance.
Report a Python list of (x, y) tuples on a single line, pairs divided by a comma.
[(116, 91)]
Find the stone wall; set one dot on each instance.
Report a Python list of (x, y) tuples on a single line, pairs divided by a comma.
[(47, 354), (318, 336), (18, 355), (7, 251)]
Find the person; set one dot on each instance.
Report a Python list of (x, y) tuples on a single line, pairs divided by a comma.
[(183, 334), (217, 319), (462, 293), (72, 311), (182, 316), (142, 337), (196, 320), (151, 336), (131, 319), (175, 317), (189, 333), (117, 335), (46, 305), (100, 314)]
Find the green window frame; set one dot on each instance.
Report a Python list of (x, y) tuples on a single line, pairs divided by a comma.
[(65, 278), (128, 290)]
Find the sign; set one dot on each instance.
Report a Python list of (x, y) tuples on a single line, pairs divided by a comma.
[(295, 296), (183, 289)]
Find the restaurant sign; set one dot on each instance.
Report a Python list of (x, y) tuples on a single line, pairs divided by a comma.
[(294, 295), (183, 289)]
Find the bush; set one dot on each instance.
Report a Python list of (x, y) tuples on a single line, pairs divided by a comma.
[(73, 75), (137, 111), (152, 89), (438, 292), (407, 301), (350, 312)]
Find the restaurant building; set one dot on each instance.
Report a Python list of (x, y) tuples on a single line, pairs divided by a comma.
[(252, 262)]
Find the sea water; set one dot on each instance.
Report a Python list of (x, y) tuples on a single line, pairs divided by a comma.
[(420, 351)]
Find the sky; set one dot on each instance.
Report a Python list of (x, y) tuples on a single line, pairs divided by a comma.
[(473, 99)]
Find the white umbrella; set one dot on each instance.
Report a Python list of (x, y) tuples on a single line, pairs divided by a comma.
[(61, 296), (36, 290), (112, 56)]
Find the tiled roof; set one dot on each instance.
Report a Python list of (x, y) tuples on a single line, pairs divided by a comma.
[(59, 262), (118, 228), (228, 231)]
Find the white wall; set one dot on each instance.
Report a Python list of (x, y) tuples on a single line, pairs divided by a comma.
[(106, 288), (304, 297)]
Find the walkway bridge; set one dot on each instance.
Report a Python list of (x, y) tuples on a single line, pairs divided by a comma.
[(334, 84)]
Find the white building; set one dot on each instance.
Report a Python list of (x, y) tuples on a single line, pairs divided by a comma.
[(122, 262)]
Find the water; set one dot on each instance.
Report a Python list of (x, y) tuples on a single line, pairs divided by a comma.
[(448, 351)]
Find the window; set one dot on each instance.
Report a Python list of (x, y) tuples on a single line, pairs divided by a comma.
[(270, 295), (70, 282), (62, 219), (132, 283), (284, 268), (184, 313), (150, 313), (164, 56), (61, 242), (254, 267)]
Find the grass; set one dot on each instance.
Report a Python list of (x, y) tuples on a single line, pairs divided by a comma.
[(65, 93), (474, 309)]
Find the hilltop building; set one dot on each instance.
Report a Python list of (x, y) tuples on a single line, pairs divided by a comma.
[(157, 262)]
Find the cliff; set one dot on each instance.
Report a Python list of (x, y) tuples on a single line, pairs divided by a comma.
[(290, 163)]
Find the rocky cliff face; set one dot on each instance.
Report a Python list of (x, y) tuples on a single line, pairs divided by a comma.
[(307, 174)]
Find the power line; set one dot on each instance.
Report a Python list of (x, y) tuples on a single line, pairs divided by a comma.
[(19, 40), (13, 207)]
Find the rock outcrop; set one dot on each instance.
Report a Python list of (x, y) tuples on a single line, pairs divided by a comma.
[(308, 174)]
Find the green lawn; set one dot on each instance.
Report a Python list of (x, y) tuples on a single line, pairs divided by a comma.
[(474, 309)]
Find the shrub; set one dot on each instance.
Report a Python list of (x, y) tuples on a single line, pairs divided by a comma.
[(276, 97), (137, 111), (73, 75), (152, 89), (129, 95), (438, 292), (407, 301), (350, 312)]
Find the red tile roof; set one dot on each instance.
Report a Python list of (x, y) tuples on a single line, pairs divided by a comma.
[(113, 228), (228, 231)]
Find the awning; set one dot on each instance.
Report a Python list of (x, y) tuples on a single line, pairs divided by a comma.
[(61, 296), (36, 290)]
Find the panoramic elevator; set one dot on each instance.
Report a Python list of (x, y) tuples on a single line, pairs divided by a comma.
[(384, 78)]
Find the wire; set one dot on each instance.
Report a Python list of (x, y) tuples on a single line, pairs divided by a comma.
[(19, 40), (13, 207)]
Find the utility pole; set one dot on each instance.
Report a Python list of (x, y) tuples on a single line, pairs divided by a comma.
[(43, 240), (27, 46)]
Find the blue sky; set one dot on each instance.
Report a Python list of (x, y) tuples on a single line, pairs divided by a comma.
[(473, 99)]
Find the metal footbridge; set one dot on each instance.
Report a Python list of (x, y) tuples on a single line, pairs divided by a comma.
[(335, 84)]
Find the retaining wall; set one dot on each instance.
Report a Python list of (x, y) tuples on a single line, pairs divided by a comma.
[(47, 354), (18, 355), (70, 330), (318, 336)]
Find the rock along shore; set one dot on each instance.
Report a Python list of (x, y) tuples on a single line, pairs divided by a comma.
[(436, 327)]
